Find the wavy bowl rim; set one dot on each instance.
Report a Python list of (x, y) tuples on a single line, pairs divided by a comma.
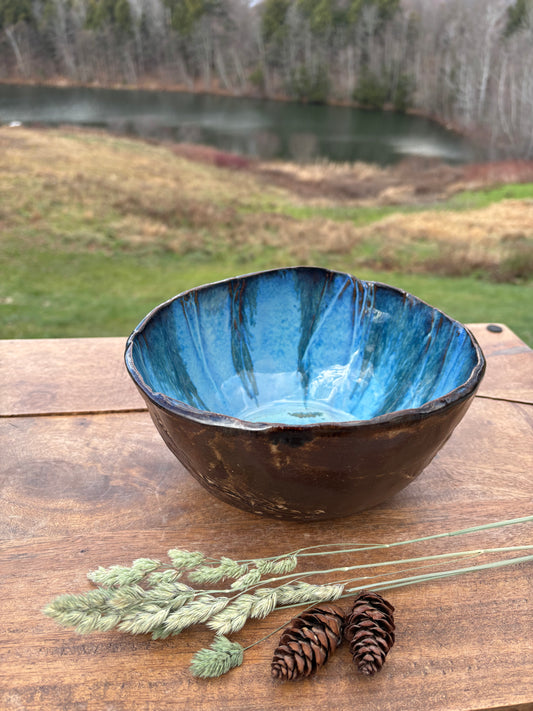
[(206, 417)]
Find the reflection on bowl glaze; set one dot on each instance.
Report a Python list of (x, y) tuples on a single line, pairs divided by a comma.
[(302, 392)]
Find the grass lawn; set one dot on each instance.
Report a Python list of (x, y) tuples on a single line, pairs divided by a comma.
[(96, 230), (71, 295)]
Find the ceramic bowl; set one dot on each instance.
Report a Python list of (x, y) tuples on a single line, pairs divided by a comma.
[(303, 393)]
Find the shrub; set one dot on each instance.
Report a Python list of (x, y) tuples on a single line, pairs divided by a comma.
[(370, 91), (257, 78), (518, 264), (310, 86), (403, 95)]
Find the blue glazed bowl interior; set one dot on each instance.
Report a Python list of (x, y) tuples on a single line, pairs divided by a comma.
[(300, 346)]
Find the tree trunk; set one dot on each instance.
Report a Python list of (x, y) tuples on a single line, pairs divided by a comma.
[(21, 65)]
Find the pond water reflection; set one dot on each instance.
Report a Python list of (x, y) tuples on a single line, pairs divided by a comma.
[(254, 127)]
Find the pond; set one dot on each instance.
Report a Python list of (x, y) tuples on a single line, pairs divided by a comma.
[(252, 127)]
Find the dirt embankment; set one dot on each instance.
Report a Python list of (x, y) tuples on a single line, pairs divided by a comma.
[(412, 181)]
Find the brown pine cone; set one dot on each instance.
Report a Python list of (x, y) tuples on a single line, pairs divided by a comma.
[(369, 628), (307, 642)]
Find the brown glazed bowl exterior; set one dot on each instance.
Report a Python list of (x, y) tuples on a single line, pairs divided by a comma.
[(310, 471)]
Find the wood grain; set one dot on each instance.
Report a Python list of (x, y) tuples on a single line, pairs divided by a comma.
[(66, 375), (84, 375), (78, 491), (447, 655), (509, 373), (112, 471)]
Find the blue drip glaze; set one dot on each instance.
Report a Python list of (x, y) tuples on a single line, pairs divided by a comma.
[(302, 346), (242, 320)]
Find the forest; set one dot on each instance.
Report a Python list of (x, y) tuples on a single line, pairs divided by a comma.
[(466, 63)]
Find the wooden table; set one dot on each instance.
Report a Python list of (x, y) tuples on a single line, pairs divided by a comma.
[(87, 481)]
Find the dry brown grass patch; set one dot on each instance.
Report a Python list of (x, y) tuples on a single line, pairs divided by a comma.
[(411, 181), (500, 221), (95, 191)]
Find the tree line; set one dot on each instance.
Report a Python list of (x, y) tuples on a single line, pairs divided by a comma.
[(468, 63)]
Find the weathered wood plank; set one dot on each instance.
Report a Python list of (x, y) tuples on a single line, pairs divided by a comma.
[(461, 644), (106, 472), (509, 373), (103, 489), (98, 489), (76, 375), (65, 375)]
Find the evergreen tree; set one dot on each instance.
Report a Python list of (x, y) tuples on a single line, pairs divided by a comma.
[(14, 11), (109, 13), (518, 15)]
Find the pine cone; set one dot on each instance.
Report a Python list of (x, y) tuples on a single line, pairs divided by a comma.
[(369, 629), (307, 642)]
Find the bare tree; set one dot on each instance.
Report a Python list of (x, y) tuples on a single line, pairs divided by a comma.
[(466, 62)]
